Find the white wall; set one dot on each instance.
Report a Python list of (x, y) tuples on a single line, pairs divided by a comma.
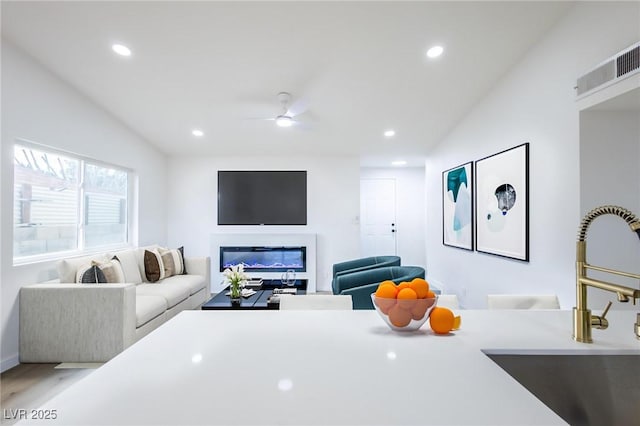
[(410, 196), (39, 107), (614, 136), (333, 188), (534, 102)]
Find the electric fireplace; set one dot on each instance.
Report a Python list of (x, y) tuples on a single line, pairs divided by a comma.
[(264, 258)]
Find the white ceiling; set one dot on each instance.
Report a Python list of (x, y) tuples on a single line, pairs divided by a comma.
[(359, 67)]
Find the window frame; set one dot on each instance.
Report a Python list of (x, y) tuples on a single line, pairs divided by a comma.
[(80, 249)]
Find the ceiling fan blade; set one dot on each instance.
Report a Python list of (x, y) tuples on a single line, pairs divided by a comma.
[(259, 119), (298, 107)]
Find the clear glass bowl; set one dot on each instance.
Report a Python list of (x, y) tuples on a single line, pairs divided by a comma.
[(403, 314)]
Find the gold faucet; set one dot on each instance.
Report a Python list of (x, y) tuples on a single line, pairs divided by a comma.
[(583, 321)]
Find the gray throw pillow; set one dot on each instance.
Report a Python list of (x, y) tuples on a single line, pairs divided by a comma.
[(93, 275)]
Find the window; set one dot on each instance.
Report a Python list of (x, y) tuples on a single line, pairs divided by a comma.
[(66, 203)]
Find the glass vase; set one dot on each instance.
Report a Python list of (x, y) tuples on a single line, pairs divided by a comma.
[(236, 291)]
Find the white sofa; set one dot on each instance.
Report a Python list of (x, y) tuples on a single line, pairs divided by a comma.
[(62, 321)]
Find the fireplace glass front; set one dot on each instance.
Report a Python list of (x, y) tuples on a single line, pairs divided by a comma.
[(264, 259)]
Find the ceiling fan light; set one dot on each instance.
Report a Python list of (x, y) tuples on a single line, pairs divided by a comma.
[(284, 121), (121, 49), (435, 51)]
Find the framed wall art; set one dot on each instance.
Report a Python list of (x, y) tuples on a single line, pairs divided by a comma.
[(457, 206), (502, 203)]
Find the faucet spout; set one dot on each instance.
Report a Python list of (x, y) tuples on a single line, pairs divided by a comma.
[(582, 318)]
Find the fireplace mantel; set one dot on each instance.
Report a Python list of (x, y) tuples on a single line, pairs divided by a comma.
[(267, 240)]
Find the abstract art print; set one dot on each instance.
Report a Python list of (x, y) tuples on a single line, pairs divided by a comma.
[(502, 203), (457, 207)]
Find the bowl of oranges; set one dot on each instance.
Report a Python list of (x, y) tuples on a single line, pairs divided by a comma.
[(406, 306)]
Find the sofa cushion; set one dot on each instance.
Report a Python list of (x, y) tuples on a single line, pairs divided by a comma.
[(148, 307), (173, 294), (129, 262), (140, 259), (153, 266), (68, 268), (194, 283), (172, 260)]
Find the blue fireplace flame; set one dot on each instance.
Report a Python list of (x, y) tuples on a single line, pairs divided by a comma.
[(264, 259)]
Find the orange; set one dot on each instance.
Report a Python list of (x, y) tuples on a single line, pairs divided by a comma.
[(420, 286), (420, 308), (407, 293), (430, 294), (399, 317), (407, 298), (442, 320), (387, 291), (387, 282), (385, 304), (403, 284), (456, 323)]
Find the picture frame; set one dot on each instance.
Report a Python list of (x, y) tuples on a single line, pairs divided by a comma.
[(502, 203), (457, 206)]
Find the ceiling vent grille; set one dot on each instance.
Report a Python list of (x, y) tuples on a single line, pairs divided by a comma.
[(620, 65), (628, 62)]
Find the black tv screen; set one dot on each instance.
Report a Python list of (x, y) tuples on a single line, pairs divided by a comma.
[(262, 197)]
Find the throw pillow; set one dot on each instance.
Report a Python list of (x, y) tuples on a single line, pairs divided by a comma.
[(68, 268), (184, 266), (129, 262), (109, 271), (153, 266), (112, 270), (173, 261), (90, 274)]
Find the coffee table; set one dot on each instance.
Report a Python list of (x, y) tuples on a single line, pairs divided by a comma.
[(258, 301)]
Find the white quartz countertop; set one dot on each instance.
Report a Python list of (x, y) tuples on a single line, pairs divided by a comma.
[(328, 367)]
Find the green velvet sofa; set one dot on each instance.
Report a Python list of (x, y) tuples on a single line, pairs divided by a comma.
[(361, 284), (363, 264)]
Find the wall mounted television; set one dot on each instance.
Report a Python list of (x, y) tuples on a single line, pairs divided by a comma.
[(262, 197)]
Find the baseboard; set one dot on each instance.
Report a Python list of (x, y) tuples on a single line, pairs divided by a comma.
[(9, 363), (76, 365)]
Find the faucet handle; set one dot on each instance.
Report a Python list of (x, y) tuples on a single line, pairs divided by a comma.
[(600, 322)]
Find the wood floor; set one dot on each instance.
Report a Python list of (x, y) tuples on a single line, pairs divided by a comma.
[(28, 386)]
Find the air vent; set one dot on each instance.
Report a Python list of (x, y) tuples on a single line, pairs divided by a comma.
[(621, 65), (628, 62), (604, 73)]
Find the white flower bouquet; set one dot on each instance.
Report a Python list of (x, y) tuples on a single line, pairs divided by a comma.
[(237, 279)]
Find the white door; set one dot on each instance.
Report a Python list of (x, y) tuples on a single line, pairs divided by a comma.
[(377, 217)]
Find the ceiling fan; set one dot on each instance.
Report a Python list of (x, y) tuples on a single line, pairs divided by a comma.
[(289, 111), (286, 118)]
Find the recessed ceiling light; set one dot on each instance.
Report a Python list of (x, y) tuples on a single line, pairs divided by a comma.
[(398, 163), (389, 133), (197, 132), (284, 121), (121, 50), (435, 51)]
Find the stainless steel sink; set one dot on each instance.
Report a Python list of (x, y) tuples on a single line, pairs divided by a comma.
[(598, 390)]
